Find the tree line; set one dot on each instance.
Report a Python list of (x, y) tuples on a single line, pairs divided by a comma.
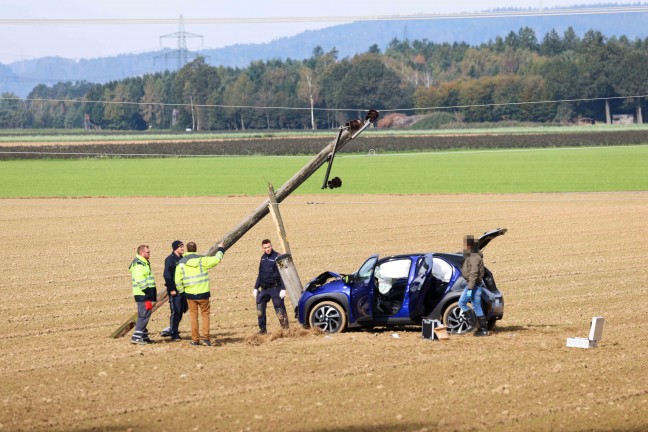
[(516, 77)]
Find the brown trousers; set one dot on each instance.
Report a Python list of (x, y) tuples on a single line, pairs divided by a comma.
[(204, 307)]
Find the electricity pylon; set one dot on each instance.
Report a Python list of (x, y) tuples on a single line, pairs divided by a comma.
[(181, 53)]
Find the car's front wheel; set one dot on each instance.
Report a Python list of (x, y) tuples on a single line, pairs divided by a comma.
[(456, 320), (328, 316)]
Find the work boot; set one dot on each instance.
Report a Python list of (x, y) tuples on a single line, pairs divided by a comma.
[(138, 341), (207, 342), (263, 331), (483, 327), (194, 343)]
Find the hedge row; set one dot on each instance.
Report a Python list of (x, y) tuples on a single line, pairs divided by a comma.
[(311, 146)]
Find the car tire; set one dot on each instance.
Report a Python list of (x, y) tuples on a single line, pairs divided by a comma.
[(328, 316), (454, 320)]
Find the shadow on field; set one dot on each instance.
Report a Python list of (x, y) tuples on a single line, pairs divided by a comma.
[(526, 327), (508, 329), (398, 427), (380, 330)]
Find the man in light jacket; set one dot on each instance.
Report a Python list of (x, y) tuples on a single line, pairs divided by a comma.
[(191, 278)]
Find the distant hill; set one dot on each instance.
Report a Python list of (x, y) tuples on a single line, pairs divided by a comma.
[(349, 39)]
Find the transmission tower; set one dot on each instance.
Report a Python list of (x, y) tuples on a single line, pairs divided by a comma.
[(182, 54)]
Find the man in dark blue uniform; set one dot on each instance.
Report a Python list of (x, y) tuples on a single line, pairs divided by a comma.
[(269, 287), (177, 301)]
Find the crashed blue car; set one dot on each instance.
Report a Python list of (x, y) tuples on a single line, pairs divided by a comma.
[(398, 290)]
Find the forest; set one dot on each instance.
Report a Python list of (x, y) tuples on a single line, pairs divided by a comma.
[(559, 78)]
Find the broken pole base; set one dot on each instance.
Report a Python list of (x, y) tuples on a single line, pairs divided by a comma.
[(130, 323)]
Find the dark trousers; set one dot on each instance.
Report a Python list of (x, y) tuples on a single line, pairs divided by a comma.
[(143, 317), (263, 297), (176, 304)]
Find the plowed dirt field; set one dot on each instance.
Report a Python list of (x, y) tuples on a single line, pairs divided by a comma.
[(565, 259)]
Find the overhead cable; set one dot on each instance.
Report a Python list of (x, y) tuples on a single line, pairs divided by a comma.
[(334, 18), (289, 108)]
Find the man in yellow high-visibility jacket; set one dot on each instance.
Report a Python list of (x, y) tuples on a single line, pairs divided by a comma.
[(191, 277), (144, 291)]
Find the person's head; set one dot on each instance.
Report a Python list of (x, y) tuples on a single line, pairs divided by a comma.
[(144, 251), (192, 247), (469, 244), (266, 245), (178, 247)]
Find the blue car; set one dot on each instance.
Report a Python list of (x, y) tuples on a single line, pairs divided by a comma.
[(397, 290)]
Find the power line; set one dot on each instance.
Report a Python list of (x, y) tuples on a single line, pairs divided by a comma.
[(288, 108), (335, 18)]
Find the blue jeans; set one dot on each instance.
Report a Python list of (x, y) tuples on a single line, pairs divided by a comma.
[(474, 297)]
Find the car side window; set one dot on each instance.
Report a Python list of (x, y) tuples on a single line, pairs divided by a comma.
[(422, 266), (366, 270), (441, 270), (389, 272)]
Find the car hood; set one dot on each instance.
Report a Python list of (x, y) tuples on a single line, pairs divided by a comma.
[(322, 279), (490, 235)]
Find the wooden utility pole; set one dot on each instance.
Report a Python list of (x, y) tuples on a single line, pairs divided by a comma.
[(276, 217), (285, 263), (346, 134), (130, 323)]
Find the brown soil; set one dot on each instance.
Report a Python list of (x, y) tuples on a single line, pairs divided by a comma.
[(565, 259)]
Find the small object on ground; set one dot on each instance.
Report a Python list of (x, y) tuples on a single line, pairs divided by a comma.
[(434, 330), (595, 335), (395, 336)]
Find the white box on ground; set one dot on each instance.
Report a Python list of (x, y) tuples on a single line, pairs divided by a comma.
[(580, 343), (595, 335)]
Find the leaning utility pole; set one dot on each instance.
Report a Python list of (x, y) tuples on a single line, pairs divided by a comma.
[(345, 134)]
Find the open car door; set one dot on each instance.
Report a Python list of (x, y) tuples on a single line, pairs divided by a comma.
[(422, 289), (362, 288), (490, 235)]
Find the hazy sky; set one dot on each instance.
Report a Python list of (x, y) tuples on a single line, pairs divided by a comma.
[(26, 40)]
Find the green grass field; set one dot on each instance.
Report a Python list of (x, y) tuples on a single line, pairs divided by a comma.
[(490, 171)]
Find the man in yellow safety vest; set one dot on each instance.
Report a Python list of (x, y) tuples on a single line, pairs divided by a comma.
[(191, 277), (144, 291)]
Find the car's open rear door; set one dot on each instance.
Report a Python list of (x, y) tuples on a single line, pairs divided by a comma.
[(490, 235)]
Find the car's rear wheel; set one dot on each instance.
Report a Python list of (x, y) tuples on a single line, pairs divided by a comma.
[(455, 319), (328, 316)]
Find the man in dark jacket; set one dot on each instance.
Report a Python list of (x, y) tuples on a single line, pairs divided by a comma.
[(177, 301), (269, 286), (472, 270)]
